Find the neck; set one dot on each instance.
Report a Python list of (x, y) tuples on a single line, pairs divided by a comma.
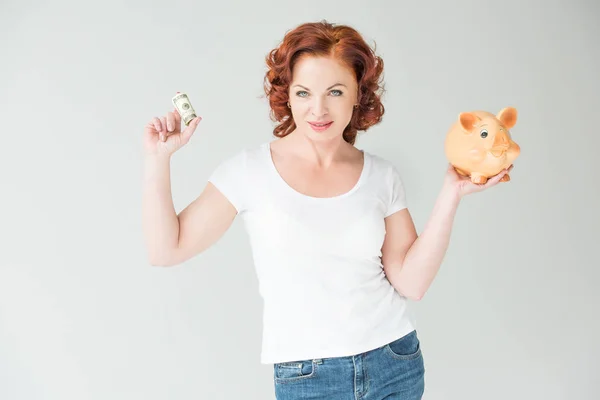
[(321, 152)]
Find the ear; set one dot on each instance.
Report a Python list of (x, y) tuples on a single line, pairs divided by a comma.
[(508, 117), (468, 120)]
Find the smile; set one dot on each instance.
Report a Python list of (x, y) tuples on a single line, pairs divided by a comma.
[(319, 127)]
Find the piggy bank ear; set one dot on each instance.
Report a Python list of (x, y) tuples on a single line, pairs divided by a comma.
[(468, 120), (508, 117)]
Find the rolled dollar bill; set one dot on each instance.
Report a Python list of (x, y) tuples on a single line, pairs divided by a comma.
[(183, 105)]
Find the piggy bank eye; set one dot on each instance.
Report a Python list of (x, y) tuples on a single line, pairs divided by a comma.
[(483, 133)]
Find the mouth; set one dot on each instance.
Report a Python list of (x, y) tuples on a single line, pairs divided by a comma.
[(498, 151), (320, 126)]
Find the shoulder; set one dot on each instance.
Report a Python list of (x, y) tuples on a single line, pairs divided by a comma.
[(244, 157), (381, 166), (388, 181), (384, 173), (236, 172)]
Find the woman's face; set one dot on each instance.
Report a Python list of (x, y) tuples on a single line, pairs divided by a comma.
[(322, 91)]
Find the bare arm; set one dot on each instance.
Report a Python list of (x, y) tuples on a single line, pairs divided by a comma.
[(160, 222), (411, 263), (400, 236), (170, 238)]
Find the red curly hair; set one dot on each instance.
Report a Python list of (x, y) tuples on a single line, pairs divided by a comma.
[(325, 39)]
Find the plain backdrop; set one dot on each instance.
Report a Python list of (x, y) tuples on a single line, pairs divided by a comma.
[(513, 312)]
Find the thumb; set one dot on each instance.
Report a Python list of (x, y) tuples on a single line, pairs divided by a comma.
[(494, 180), (189, 130)]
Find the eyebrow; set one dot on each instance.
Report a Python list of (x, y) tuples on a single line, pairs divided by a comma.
[(330, 87)]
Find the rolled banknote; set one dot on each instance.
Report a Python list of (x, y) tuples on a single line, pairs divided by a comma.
[(183, 105)]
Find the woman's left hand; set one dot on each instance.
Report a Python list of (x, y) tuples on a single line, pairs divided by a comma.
[(462, 185)]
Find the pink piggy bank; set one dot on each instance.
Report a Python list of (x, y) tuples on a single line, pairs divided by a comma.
[(479, 144)]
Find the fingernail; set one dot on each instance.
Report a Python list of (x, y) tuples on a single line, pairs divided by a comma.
[(170, 127)]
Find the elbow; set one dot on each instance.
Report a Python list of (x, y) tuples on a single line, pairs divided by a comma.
[(410, 288), (169, 259), (406, 291), (165, 257), (413, 296), (156, 263), (417, 297), (160, 262), (410, 293)]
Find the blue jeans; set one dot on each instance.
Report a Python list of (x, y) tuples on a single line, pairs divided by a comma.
[(394, 371)]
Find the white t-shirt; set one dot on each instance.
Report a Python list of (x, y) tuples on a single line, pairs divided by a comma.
[(324, 290)]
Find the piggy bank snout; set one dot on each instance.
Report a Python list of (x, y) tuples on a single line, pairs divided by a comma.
[(501, 140)]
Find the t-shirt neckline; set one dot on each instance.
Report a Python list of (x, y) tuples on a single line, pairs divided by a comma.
[(282, 182)]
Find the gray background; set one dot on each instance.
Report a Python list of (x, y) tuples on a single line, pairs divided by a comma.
[(513, 311)]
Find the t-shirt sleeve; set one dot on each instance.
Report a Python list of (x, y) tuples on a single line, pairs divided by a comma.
[(397, 196), (228, 178)]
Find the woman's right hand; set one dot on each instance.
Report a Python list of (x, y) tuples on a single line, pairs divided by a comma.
[(163, 136)]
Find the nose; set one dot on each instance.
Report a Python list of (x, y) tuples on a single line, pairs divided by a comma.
[(319, 107), (501, 139)]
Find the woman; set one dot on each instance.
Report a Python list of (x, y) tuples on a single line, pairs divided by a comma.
[(335, 248)]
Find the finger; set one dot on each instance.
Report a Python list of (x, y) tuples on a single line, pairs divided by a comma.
[(171, 127), (189, 130), (177, 117), (494, 180), (156, 123), (164, 133), (499, 176)]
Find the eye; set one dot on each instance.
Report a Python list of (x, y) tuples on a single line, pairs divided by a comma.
[(483, 133), (337, 91), (298, 93)]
